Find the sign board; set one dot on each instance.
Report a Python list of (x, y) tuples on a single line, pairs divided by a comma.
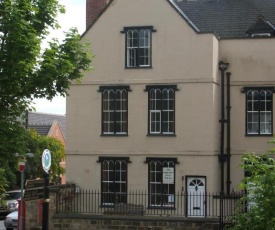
[(34, 183), (34, 194), (22, 166), (46, 160), (168, 175)]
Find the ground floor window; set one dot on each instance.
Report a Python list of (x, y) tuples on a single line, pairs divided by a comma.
[(161, 173), (113, 180)]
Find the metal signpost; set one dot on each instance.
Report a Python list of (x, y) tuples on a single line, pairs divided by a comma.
[(22, 166), (46, 164)]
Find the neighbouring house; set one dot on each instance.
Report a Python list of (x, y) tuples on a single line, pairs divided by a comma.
[(51, 125), (179, 91)]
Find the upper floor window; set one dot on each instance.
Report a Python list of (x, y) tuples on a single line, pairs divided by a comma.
[(114, 110), (259, 111), (161, 109), (138, 47)]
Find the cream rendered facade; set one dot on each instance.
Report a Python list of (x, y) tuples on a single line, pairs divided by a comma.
[(181, 57)]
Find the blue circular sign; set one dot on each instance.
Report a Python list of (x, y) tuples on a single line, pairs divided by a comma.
[(46, 160)]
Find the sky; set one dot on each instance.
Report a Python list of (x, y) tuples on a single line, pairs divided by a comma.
[(75, 16)]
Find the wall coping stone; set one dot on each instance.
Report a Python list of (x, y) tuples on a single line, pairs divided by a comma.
[(135, 218)]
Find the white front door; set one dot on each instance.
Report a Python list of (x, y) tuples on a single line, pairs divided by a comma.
[(196, 196)]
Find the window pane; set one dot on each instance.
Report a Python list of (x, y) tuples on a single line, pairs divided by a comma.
[(131, 57), (255, 106), (165, 104), (155, 121), (132, 38), (147, 38), (144, 56), (141, 38), (135, 38), (144, 38), (155, 99), (132, 47), (265, 123)]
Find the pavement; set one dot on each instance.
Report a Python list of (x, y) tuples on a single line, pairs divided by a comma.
[(2, 227)]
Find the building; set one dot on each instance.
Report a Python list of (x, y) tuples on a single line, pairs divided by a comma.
[(180, 90), (46, 124)]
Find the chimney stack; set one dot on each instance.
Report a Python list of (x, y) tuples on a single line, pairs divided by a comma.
[(93, 10)]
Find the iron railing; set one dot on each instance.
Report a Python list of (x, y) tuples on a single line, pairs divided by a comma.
[(140, 203)]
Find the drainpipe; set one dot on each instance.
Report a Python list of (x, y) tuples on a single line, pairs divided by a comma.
[(222, 158), (228, 148)]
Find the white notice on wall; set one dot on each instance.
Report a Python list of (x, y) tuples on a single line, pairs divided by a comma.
[(168, 176)]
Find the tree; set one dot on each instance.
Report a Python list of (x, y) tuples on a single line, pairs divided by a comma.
[(37, 144), (259, 185), (27, 71), (3, 186)]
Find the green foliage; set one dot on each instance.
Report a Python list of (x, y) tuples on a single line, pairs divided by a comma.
[(37, 144), (3, 182), (3, 186), (260, 199), (27, 71)]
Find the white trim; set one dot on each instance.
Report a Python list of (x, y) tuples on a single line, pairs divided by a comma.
[(261, 35)]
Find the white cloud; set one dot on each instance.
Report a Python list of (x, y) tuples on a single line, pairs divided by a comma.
[(56, 106), (75, 16)]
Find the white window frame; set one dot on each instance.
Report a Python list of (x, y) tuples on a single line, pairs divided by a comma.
[(116, 189), (138, 46), (161, 195), (114, 110), (257, 117), (157, 96)]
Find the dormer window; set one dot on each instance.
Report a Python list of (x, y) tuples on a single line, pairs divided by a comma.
[(261, 28), (138, 51)]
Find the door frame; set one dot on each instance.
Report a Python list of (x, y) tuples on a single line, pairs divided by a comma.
[(186, 192)]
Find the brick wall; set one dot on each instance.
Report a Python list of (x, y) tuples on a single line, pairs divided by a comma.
[(93, 9)]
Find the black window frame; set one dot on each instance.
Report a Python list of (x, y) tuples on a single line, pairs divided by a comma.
[(138, 49), (108, 197), (248, 90), (164, 194), (120, 127), (162, 131)]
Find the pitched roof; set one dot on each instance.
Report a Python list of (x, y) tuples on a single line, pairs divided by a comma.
[(42, 129), (225, 18), (42, 122)]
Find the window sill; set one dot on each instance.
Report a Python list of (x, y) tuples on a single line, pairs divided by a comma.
[(258, 135), (161, 135), (114, 135), (139, 67), (162, 207)]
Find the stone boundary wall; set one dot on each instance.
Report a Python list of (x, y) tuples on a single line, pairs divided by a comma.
[(116, 222), (96, 222), (33, 208)]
